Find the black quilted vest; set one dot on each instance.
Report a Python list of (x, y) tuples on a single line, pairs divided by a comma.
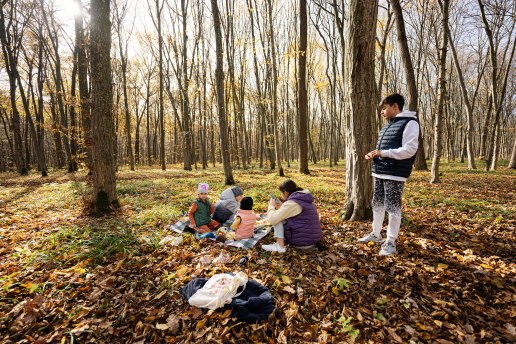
[(391, 137)]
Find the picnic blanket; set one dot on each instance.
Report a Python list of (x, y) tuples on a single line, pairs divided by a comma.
[(260, 231)]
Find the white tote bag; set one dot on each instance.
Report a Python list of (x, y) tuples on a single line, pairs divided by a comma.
[(218, 291)]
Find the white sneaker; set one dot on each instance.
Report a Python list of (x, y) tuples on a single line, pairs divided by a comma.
[(371, 237), (388, 248), (275, 248)]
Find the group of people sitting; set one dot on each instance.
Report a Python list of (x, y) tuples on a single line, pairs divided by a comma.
[(294, 216)]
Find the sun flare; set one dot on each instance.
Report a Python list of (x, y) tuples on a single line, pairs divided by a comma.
[(69, 8)]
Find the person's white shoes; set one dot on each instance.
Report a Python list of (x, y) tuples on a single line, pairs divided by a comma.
[(371, 237), (275, 248), (388, 248)]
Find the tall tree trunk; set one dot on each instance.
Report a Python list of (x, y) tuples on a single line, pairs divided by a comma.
[(82, 68), (303, 94), (277, 148), (496, 136), (497, 97), (512, 163), (59, 87), (420, 163), (485, 127), (137, 141), (383, 63), (120, 14), (29, 123), (104, 177), (148, 126), (230, 57), (245, 144), (219, 76), (40, 118), (56, 133), (161, 119), (185, 105), (10, 63), (468, 105), (360, 65), (262, 111), (445, 5), (72, 167), (27, 143)]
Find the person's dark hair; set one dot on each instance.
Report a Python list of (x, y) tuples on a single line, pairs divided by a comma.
[(394, 98), (289, 186), (246, 203)]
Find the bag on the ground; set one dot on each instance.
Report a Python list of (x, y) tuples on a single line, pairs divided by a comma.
[(253, 305), (218, 291)]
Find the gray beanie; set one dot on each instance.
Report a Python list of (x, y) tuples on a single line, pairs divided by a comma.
[(237, 191), (202, 188)]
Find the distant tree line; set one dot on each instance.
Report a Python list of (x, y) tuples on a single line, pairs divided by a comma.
[(261, 84)]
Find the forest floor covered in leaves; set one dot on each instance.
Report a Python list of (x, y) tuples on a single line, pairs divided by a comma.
[(68, 277)]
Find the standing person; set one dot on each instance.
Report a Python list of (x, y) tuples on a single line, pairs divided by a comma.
[(296, 220), (227, 206), (201, 210), (393, 159)]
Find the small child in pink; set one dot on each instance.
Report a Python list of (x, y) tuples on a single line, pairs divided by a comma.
[(245, 219)]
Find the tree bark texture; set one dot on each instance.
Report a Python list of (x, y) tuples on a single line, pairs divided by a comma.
[(303, 94), (497, 92), (445, 5), (413, 104), (62, 124), (10, 63), (512, 162), (120, 15), (103, 131), (219, 77), (188, 153), (361, 90), (159, 8), (84, 92), (273, 64), (468, 105)]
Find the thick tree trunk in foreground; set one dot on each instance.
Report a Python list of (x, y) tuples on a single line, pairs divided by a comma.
[(360, 63), (103, 130)]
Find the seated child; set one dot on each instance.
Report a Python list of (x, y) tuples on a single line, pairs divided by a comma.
[(245, 219), (200, 211), (227, 206)]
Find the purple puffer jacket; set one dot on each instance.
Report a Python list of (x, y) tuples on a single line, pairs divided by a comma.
[(305, 228)]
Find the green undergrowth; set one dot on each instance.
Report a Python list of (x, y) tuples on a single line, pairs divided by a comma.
[(72, 244), (151, 199)]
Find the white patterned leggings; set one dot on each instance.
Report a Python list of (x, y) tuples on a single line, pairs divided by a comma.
[(387, 197)]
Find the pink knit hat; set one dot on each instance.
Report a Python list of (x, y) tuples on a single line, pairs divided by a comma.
[(202, 188)]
